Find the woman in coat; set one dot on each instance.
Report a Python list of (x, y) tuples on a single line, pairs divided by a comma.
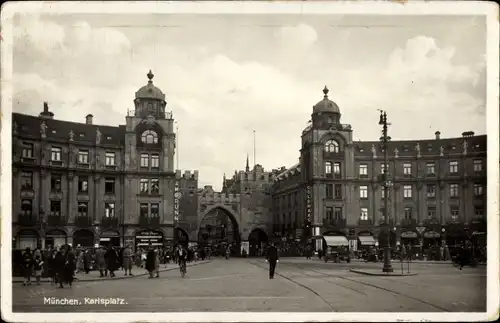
[(112, 259), (151, 261), (127, 260), (100, 261)]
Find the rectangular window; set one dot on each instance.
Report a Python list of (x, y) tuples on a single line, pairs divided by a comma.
[(431, 212), (382, 193), (431, 190), (363, 170), (408, 213), (363, 192), (364, 214), (55, 182), (329, 213), (155, 210), (336, 168), (453, 190), (144, 185), (55, 154), (83, 184), (109, 185), (338, 213), (27, 150), (155, 186), (83, 208), (83, 157), (27, 180), (431, 169), (109, 210), (328, 168), (110, 159), (406, 169), (382, 167), (55, 208), (454, 213), (478, 190), (407, 191), (329, 190), (143, 210), (338, 191), (144, 160), (27, 207), (478, 165), (155, 161), (454, 166)]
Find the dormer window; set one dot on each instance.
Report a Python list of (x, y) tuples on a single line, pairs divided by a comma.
[(332, 146), (149, 137)]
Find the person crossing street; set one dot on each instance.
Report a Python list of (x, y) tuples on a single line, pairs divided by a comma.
[(273, 258)]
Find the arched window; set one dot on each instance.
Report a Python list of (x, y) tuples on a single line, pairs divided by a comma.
[(149, 137), (332, 146)]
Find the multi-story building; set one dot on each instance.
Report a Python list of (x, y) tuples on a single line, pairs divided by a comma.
[(438, 192), (86, 184)]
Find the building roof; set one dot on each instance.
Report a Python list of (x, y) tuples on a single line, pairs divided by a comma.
[(326, 105), (290, 171), (429, 147), (149, 91), (59, 130)]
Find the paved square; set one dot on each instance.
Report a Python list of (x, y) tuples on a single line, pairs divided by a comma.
[(243, 285)]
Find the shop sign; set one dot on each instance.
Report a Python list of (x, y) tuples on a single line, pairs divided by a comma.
[(431, 235), (409, 235), (309, 207), (177, 198), (145, 238)]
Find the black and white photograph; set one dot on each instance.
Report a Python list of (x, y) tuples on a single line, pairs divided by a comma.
[(305, 160)]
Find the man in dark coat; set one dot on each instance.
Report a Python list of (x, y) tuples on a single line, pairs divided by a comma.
[(112, 260), (27, 266), (150, 261), (272, 258)]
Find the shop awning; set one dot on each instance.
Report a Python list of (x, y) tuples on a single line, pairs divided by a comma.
[(335, 241), (366, 240)]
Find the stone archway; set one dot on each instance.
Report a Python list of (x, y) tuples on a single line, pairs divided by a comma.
[(256, 240), (55, 238), (219, 228), (84, 238)]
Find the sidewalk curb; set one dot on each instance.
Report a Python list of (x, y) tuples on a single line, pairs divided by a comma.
[(121, 277), (381, 274)]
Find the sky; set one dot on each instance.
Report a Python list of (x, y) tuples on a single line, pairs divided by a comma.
[(227, 75)]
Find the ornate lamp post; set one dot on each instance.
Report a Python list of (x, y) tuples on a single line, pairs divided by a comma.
[(386, 183)]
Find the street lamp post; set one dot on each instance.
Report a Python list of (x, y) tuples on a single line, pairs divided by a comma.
[(387, 256)]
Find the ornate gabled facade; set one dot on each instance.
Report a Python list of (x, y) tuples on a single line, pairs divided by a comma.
[(438, 193), (87, 184)]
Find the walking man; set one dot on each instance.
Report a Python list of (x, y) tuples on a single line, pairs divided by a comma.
[(272, 258)]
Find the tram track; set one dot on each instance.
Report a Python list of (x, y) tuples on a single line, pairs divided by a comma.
[(297, 283), (381, 288)]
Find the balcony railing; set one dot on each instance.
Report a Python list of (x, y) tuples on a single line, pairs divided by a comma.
[(149, 221), (409, 222), (27, 220), (83, 221), (56, 220), (337, 223), (109, 222), (365, 223)]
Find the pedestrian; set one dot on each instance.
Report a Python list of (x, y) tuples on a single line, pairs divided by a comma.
[(112, 260), (157, 263), (80, 266), (37, 266), (27, 266), (51, 266), (272, 258), (87, 260), (66, 265), (100, 261), (151, 261), (127, 260)]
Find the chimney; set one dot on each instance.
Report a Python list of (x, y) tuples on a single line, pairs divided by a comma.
[(438, 135), (468, 134), (88, 119), (46, 113)]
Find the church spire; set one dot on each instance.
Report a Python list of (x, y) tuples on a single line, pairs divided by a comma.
[(248, 166)]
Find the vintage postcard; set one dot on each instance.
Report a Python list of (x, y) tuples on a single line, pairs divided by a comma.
[(249, 161)]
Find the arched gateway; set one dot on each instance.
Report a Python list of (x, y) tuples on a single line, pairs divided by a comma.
[(256, 241), (219, 228)]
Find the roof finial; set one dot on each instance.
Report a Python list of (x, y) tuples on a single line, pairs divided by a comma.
[(325, 91), (247, 168), (150, 76)]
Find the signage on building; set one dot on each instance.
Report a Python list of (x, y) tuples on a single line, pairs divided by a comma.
[(147, 237), (309, 207), (431, 235), (409, 235), (177, 198)]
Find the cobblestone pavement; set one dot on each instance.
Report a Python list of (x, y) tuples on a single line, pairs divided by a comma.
[(243, 285)]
